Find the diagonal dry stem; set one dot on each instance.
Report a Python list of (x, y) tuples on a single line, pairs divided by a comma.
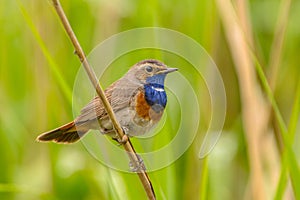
[(253, 105), (127, 146), (278, 41)]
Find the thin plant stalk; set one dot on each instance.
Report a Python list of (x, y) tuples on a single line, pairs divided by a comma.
[(91, 74), (253, 104)]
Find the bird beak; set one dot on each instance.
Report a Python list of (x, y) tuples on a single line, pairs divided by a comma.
[(168, 70)]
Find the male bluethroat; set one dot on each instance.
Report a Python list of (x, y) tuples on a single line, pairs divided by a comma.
[(138, 100)]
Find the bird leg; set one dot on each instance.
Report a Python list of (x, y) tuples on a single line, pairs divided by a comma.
[(135, 166), (124, 139)]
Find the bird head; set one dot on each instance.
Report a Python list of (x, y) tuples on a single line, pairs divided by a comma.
[(150, 72)]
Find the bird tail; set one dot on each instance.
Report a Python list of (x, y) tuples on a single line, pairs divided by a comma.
[(64, 134)]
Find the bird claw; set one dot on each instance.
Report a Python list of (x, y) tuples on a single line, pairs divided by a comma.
[(138, 166), (124, 139), (135, 166)]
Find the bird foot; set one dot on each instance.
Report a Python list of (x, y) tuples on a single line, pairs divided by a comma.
[(138, 165), (124, 139)]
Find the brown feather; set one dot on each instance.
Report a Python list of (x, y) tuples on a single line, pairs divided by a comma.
[(64, 134), (119, 94)]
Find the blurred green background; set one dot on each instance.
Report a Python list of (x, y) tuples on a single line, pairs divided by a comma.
[(37, 72)]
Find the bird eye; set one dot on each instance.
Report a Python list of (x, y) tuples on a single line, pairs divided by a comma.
[(149, 68)]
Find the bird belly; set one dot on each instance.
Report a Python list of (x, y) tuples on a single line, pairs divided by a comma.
[(132, 123)]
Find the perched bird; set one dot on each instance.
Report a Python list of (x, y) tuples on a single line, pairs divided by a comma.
[(138, 100)]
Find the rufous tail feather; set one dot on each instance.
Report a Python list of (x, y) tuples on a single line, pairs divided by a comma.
[(64, 134)]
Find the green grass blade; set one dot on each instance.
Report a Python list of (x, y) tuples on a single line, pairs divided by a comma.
[(270, 96), (295, 114), (291, 135), (286, 135), (203, 181), (282, 181), (53, 66)]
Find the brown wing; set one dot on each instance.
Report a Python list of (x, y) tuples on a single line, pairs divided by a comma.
[(118, 94)]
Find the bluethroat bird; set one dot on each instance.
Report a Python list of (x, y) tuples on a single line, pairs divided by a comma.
[(138, 100)]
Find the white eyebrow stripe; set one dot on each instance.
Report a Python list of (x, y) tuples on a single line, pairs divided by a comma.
[(158, 89)]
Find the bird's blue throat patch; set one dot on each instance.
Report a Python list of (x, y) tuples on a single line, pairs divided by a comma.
[(158, 79), (155, 96)]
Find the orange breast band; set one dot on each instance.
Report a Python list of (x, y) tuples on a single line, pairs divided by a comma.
[(142, 108)]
